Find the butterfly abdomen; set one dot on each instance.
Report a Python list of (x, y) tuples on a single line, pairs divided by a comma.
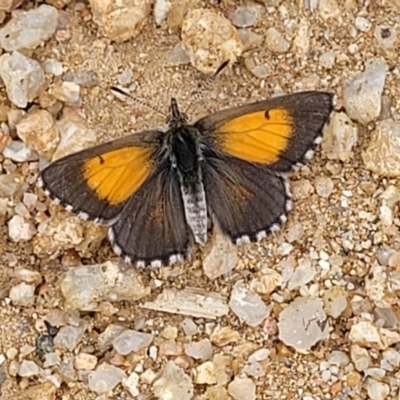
[(186, 158)]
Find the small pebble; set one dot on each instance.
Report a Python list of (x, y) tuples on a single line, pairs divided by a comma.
[(360, 358), (39, 132), (247, 305), (276, 42), (338, 358), (366, 334), (242, 389), (386, 38), (340, 137), (22, 294), (10, 184), (335, 301), (328, 9), (131, 341), (303, 323), (205, 374), (266, 282), (222, 257), (120, 21), (125, 77), (223, 335), (85, 286), (324, 186), (327, 60), (255, 370), (209, 40), (301, 41), (82, 78), (41, 391), (51, 359), (170, 332), (261, 71), (178, 55), (259, 355), (310, 4), (194, 303), (189, 327), (11, 353), (201, 350), (249, 39), (67, 92), (362, 94), (131, 384), (173, 383), (245, 15), (22, 76), (28, 369), (377, 390), (387, 318), (303, 274), (160, 10), (29, 29), (295, 232), (362, 24), (107, 337), (53, 66), (105, 378), (302, 189), (382, 155), (19, 152), (68, 337), (20, 229), (392, 357), (13, 368), (84, 361)]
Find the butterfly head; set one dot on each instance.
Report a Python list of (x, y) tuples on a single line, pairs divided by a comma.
[(175, 117)]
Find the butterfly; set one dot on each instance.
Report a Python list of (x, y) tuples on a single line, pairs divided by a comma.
[(156, 190)]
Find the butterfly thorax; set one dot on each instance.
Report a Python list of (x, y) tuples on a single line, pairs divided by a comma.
[(183, 148), (184, 153)]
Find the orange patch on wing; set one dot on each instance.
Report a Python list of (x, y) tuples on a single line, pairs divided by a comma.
[(118, 174), (258, 137)]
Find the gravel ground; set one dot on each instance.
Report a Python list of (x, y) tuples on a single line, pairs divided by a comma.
[(337, 224)]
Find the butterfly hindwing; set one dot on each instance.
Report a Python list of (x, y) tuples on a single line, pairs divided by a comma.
[(277, 132), (152, 228), (246, 200), (97, 182)]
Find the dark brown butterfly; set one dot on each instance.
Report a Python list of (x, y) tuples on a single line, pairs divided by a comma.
[(156, 190)]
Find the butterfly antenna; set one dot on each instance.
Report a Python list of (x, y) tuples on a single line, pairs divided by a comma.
[(197, 94), (138, 101)]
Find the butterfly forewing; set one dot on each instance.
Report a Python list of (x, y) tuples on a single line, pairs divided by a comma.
[(97, 182), (277, 132)]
